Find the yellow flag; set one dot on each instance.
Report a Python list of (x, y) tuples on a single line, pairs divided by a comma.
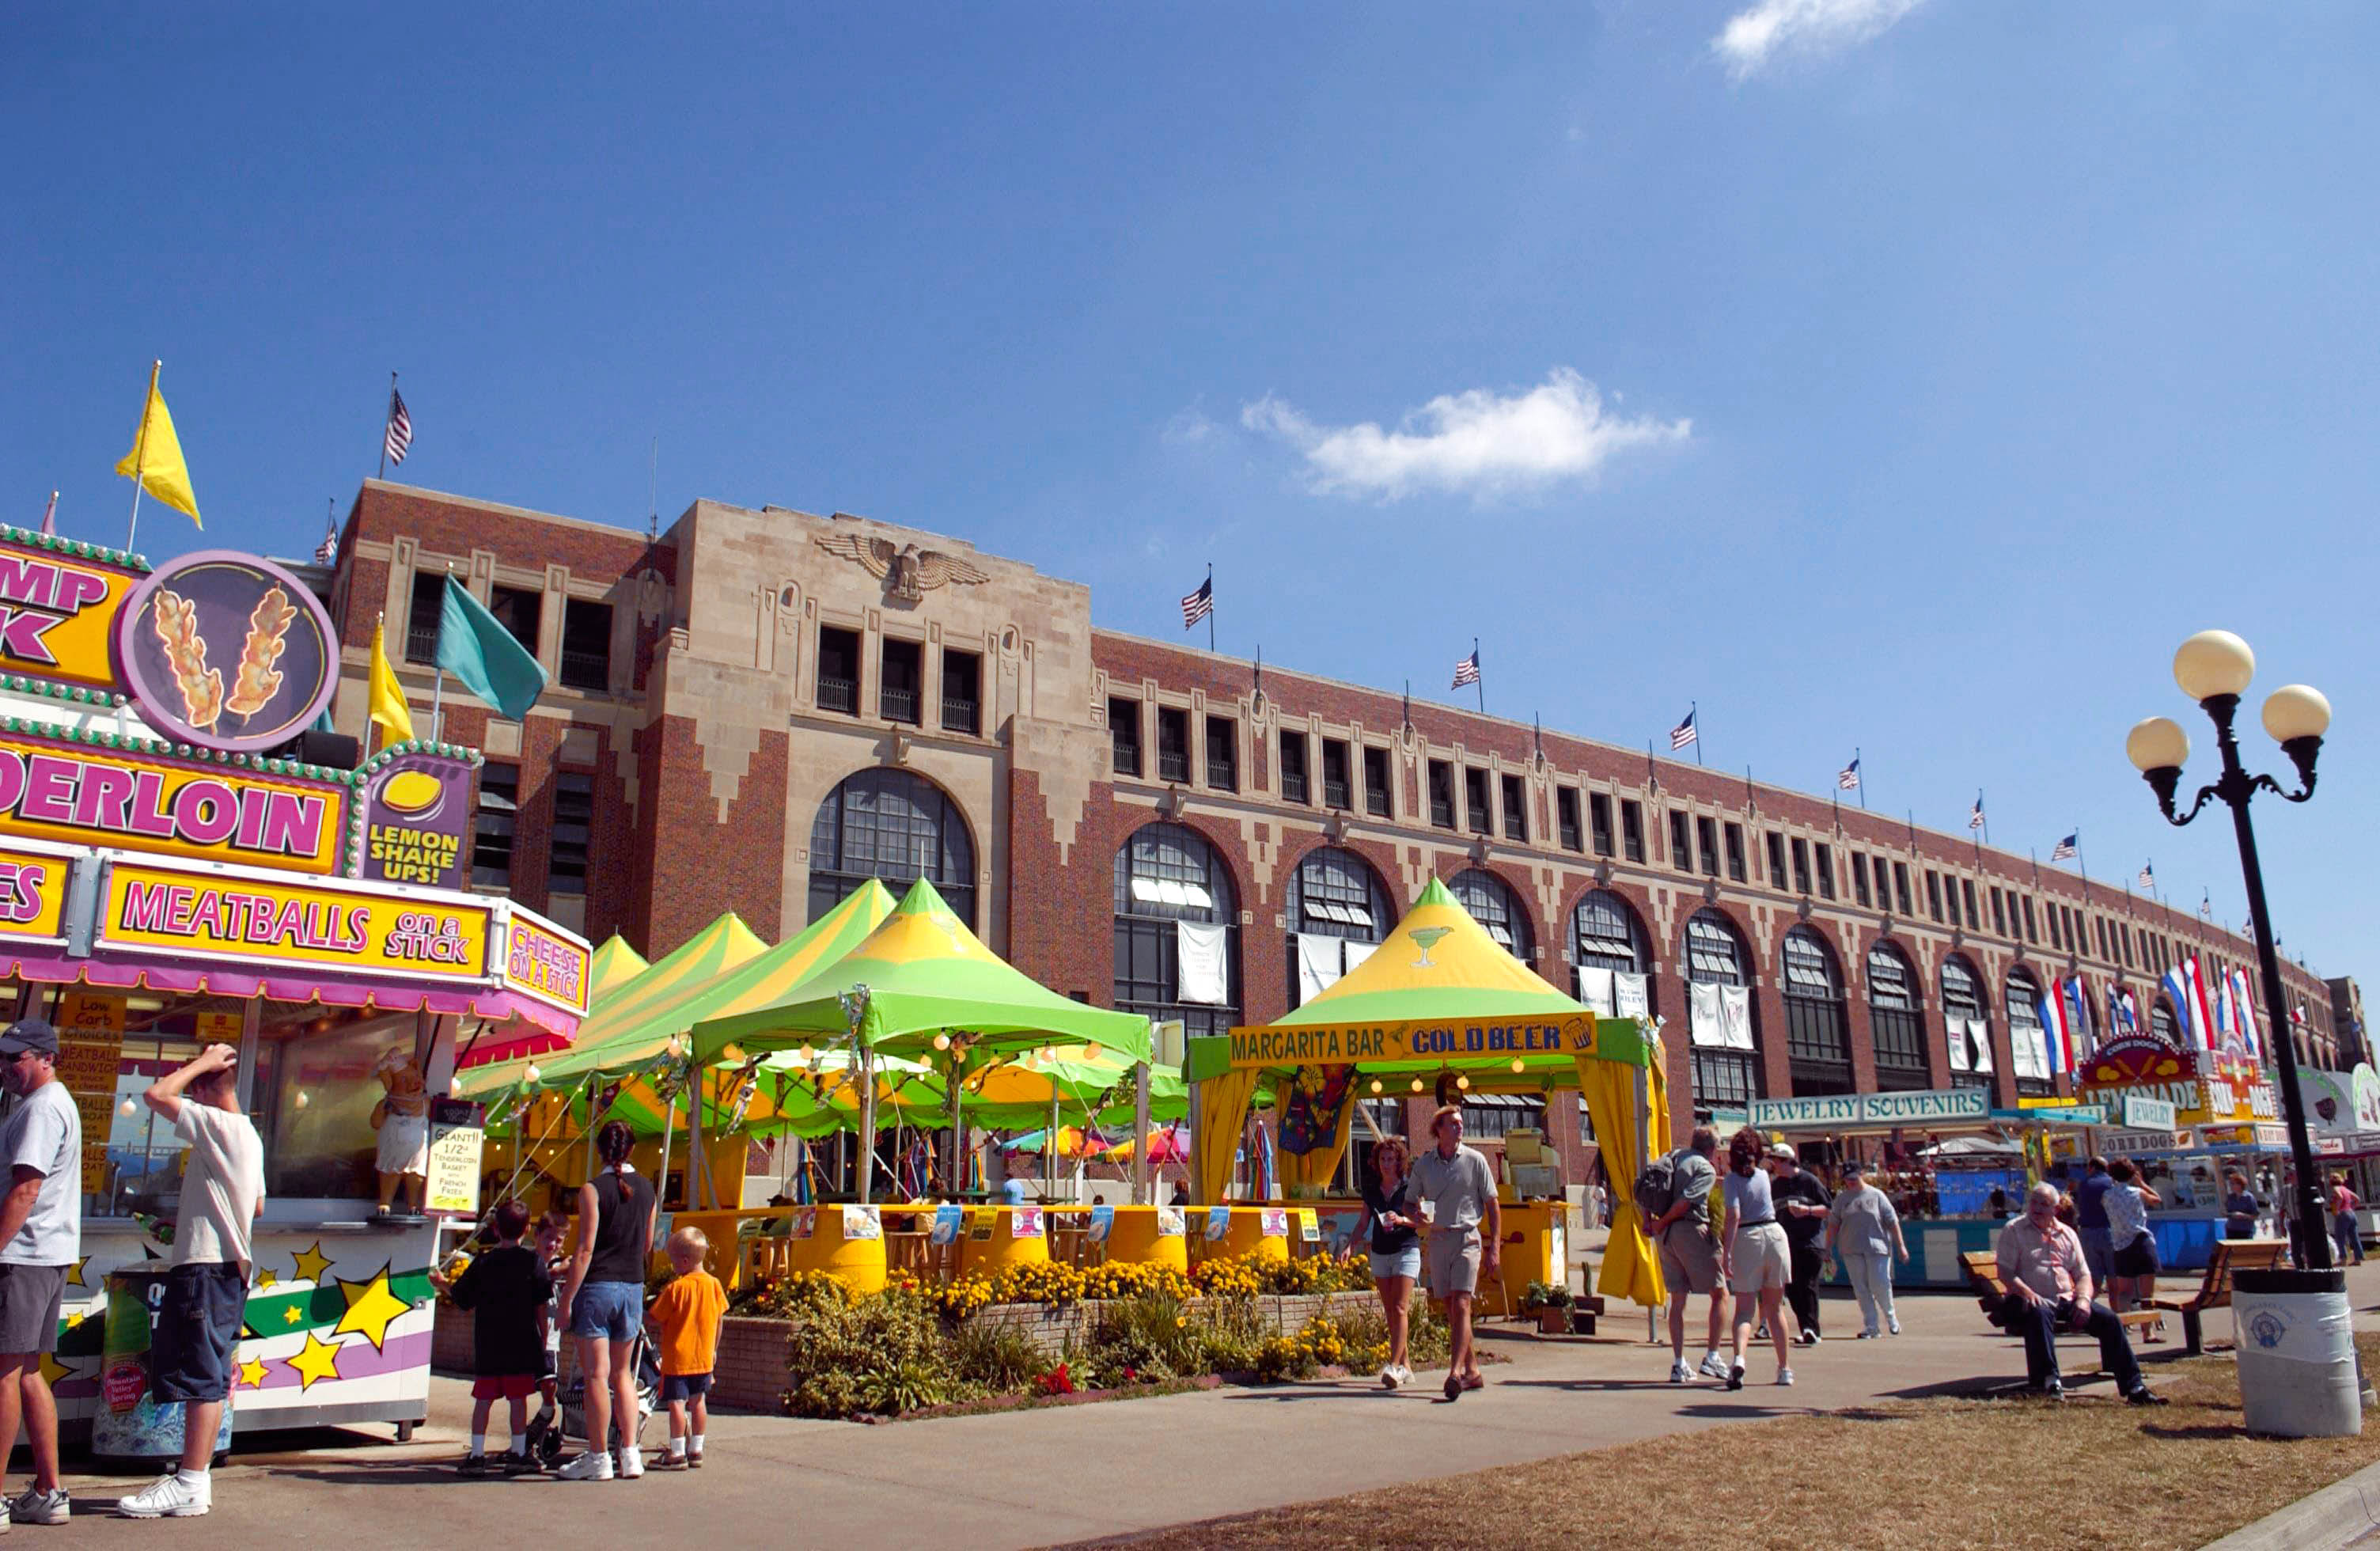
[(156, 456), (388, 707)]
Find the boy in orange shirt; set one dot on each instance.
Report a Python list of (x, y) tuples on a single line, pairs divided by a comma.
[(686, 1315)]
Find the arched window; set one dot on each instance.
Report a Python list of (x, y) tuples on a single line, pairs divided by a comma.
[(1336, 893), (1818, 1033), (1338, 907), (1493, 904), (894, 826), (2163, 1023), (1895, 1019), (1167, 874), (1605, 934), (1962, 1007), (1716, 956), (2023, 1003)]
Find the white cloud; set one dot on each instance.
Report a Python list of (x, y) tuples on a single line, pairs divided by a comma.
[(1189, 428), (1761, 33), (1477, 443)]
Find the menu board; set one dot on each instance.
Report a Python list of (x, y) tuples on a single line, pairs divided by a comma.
[(91, 1046), (458, 1129)]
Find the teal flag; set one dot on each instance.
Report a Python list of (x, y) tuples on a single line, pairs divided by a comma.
[(474, 646)]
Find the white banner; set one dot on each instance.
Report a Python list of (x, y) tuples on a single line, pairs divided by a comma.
[(1979, 1035), (1735, 1016), (1201, 977), (1630, 996), (1318, 965), (1595, 989), (1955, 1033), (1703, 1016)]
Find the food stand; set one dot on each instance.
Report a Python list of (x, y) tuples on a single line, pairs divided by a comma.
[(2224, 1115), (1440, 1000), (169, 880)]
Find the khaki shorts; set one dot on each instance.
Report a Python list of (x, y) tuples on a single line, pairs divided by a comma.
[(1454, 1262), (1689, 1260), (1761, 1258)]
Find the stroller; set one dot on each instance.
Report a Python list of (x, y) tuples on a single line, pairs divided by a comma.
[(546, 1430)]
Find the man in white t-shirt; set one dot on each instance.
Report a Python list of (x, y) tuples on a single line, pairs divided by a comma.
[(1465, 1231), (206, 1288), (40, 1237)]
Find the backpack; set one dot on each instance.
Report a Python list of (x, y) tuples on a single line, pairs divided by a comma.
[(1657, 1185)]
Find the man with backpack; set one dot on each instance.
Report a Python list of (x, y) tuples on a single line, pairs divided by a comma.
[(1674, 1195)]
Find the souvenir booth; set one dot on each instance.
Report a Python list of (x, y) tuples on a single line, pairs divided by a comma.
[(1440, 1003), (171, 877)]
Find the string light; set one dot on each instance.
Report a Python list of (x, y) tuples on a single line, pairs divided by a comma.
[(304, 1098), (455, 1085), (127, 1109), (1517, 1063), (1463, 1083), (941, 1042), (1375, 1084), (809, 1054), (1416, 1085), (532, 1073)]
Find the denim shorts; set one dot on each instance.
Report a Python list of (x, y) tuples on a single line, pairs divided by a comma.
[(685, 1387), (1405, 1263), (198, 1325), (612, 1311)]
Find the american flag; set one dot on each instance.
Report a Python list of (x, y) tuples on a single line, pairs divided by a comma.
[(2064, 850), (1199, 604), (2148, 878), (2207, 907), (327, 552), (1682, 736), (1975, 815), (1848, 777), (1466, 671), (400, 428)]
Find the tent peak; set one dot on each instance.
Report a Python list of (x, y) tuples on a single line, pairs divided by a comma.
[(1434, 892)]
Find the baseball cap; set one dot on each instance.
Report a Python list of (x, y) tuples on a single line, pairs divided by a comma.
[(1855, 1167), (30, 1034), (1785, 1150)]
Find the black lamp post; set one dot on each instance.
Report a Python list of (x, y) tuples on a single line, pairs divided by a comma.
[(2212, 668)]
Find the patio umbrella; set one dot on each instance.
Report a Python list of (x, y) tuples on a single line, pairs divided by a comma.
[(1073, 1142)]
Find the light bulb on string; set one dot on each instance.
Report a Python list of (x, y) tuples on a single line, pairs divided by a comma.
[(941, 1042), (127, 1109), (1464, 1081), (1416, 1085), (1519, 1064), (1375, 1084), (304, 1098)]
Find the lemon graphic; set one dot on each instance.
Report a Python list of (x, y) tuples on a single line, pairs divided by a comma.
[(412, 793)]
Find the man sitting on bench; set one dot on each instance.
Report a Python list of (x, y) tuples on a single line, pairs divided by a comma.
[(2049, 1290)]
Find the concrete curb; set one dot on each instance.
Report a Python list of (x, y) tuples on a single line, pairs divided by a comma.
[(2340, 1514)]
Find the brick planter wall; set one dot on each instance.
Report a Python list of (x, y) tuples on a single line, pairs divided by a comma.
[(751, 1371)]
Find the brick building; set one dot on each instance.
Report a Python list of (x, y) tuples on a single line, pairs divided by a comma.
[(756, 709)]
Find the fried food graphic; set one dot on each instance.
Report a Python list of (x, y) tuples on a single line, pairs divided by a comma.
[(175, 620), (258, 680)]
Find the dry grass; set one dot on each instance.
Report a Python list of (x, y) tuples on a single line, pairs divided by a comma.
[(2094, 1472)]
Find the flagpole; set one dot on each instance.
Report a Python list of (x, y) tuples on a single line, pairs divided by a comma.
[(387, 418), (1210, 606), (1695, 711), (1859, 762), (140, 455), (1479, 680)]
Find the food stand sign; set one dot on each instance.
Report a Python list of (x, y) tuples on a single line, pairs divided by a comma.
[(226, 651), (1420, 1039), (417, 815), (1930, 1107), (545, 964), (2144, 1113), (211, 915), (32, 894), (457, 1134), (58, 607), (111, 797)]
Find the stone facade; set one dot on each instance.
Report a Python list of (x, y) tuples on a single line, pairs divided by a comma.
[(718, 735)]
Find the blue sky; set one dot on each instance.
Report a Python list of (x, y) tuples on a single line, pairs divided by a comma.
[(1911, 376)]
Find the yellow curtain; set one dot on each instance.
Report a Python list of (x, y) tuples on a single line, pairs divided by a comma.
[(1630, 1269), (1223, 1110), (1312, 1171)]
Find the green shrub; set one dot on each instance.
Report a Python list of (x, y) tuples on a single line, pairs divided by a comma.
[(1001, 1358), (1145, 1340), (883, 1354)]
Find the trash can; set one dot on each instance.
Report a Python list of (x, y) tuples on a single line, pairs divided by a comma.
[(2298, 1377), (131, 1428)]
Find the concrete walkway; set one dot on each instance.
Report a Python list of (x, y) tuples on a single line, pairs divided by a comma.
[(1085, 1472)]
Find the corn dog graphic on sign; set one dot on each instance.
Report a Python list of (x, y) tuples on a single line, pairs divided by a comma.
[(175, 641)]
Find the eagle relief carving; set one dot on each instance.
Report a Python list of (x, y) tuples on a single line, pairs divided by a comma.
[(909, 572)]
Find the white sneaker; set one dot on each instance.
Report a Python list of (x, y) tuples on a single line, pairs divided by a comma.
[(593, 1465), (1713, 1365), (1893, 1326), (1679, 1372), (166, 1497), (33, 1506), (1388, 1379), (1785, 1377), (632, 1463)]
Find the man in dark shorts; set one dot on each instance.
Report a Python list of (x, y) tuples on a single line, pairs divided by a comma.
[(1801, 1202), (206, 1287), (40, 1237)]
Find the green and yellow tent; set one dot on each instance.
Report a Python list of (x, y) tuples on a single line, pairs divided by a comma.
[(1440, 994), (725, 944), (615, 964)]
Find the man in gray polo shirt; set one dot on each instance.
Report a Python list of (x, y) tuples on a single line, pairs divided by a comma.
[(1464, 1231), (40, 1237)]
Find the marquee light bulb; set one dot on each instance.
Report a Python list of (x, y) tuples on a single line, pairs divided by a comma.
[(1518, 1064), (1416, 1085), (1462, 1082), (1376, 1087)]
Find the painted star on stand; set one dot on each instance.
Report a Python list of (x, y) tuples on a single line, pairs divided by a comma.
[(319, 1361), (53, 1370), (251, 1374), (290, 1314), (313, 1264), (370, 1307), (74, 1273), (265, 1280)]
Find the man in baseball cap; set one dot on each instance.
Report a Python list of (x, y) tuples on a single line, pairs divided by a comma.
[(40, 1237), (1802, 1201)]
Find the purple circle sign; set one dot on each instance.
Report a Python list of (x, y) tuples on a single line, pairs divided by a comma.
[(225, 650)]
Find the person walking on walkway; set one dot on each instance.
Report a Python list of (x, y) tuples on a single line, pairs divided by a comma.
[(2091, 1220), (206, 1291), (40, 1239), (1395, 1248), (2240, 1207), (605, 1295), (1863, 1227), (1464, 1235), (1757, 1260), (2347, 1236), (2133, 1262), (2049, 1290), (1801, 1202), (1681, 1233)]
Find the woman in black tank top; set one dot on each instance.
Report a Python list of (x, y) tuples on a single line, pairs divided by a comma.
[(606, 1300)]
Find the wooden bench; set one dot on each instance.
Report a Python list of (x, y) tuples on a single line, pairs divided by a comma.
[(1983, 1268), (2214, 1291)]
